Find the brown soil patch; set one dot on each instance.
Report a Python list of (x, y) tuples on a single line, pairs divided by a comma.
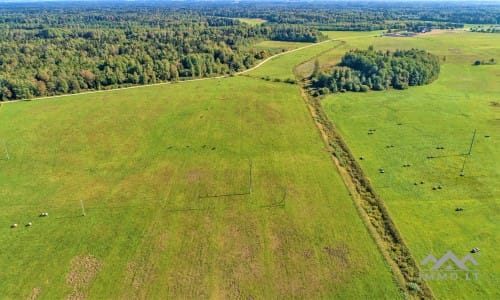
[(194, 175), (234, 290), (340, 253), (132, 270), (308, 253), (142, 269), (83, 271), (141, 272)]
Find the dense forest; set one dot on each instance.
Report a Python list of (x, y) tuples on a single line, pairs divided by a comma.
[(363, 70), (367, 15), (55, 48), (47, 53)]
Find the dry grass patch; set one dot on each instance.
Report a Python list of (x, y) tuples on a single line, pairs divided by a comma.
[(36, 292), (194, 175), (83, 271)]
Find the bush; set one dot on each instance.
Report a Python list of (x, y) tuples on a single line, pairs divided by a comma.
[(324, 91), (414, 287)]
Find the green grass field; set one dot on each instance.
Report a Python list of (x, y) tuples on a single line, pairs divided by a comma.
[(278, 45), (281, 67), (416, 122), (142, 161), (252, 21)]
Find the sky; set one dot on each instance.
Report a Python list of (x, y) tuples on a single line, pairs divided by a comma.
[(352, 1), (262, 1)]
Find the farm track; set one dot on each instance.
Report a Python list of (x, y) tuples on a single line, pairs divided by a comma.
[(370, 206)]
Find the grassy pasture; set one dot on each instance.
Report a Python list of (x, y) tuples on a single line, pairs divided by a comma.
[(252, 21), (278, 45), (416, 122), (141, 161), (281, 67)]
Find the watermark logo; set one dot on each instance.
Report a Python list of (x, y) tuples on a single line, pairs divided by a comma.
[(449, 267)]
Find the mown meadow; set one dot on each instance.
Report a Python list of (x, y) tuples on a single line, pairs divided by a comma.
[(421, 140), (210, 189)]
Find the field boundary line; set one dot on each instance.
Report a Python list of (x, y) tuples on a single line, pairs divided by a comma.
[(370, 206)]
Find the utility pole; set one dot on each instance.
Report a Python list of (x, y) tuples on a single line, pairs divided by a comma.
[(472, 142), (83, 208), (250, 183), (6, 150), (469, 153)]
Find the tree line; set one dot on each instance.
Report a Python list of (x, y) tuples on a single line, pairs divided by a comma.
[(366, 15), (57, 48), (51, 52), (364, 70)]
